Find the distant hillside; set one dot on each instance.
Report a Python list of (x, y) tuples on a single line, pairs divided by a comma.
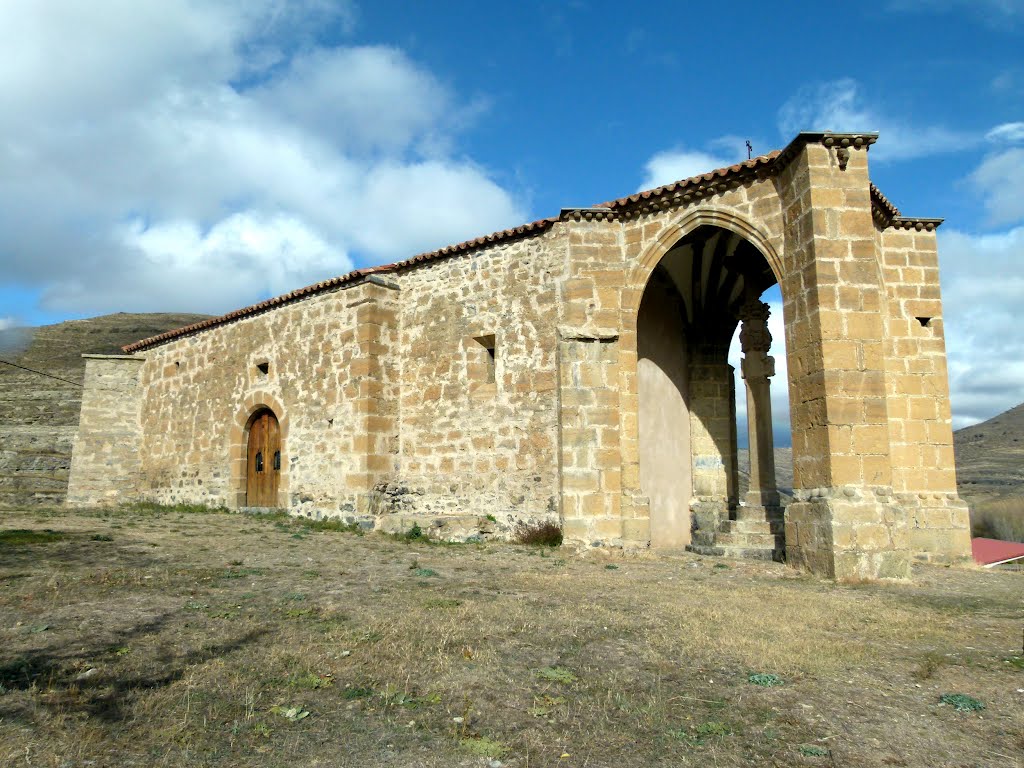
[(990, 456), (39, 415)]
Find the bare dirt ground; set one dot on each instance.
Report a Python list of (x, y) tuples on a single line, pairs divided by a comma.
[(163, 637)]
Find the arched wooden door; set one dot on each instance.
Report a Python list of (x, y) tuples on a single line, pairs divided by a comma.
[(263, 461)]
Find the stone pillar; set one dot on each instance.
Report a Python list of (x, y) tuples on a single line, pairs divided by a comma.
[(376, 404), (758, 367), (844, 522)]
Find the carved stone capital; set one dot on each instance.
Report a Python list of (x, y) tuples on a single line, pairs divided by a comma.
[(754, 334)]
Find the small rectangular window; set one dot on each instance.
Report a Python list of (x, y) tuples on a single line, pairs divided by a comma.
[(489, 358)]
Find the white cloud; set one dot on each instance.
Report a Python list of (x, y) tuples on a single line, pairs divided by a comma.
[(179, 154), (838, 106), (678, 164), (1007, 132), (7, 322), (982, 285), (1000, 180)]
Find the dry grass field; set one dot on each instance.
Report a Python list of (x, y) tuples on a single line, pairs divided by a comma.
[(156, 637)]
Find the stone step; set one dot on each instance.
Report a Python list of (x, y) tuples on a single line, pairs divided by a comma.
[(739, 553), (757, 513), (777, 528), (749, 540)]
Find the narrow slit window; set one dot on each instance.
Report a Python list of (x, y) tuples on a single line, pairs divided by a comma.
[(259, 461), (489, 357), (277, 460)]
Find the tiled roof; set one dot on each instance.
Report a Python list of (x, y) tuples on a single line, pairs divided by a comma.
[(706, 182), (993, 551), (355, 276), (761, 161), (877, 198)]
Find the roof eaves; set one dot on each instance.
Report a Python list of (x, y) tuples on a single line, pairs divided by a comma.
[(349, 278)]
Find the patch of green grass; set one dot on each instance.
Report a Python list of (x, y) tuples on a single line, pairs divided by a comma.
[(699, 735), (611, 567), (961, 702), (425, 572), (241, 573), (152, 508), (101, 537), (483, 746), (1015, 661), (764, 680), (812, 750), (19, 536), (351, 694), (310, 681), (557, 675)]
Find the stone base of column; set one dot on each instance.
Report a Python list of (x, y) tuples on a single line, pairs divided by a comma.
[(848, 533), (939, 527)]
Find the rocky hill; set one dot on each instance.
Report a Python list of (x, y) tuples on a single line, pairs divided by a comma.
[(990, 456), (39, 414)]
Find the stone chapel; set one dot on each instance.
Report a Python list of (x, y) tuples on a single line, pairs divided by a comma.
[(575, 370)]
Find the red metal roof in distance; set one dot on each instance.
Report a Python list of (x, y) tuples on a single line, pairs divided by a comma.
[(993, 551)]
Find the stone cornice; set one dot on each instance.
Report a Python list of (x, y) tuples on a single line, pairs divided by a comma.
[(596, 213), (916, 224)]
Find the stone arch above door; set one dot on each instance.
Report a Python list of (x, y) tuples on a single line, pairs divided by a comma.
[(238, 445)]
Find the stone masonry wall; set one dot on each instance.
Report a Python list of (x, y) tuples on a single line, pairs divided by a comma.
[(917, 388), (105, 465), (199, 390), (478, 433)]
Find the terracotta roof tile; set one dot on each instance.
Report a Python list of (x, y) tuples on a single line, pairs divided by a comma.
[(693, 181), (534, 227), (772, 161)]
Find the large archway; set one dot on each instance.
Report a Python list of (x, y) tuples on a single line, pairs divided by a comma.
[(701, 289)]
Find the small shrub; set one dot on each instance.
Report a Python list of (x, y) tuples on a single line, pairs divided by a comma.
[(413, 533), (545, 534)]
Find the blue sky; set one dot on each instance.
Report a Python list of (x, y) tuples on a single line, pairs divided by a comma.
[(178, 155)]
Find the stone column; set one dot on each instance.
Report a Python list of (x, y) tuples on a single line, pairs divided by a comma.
[(758, 367)]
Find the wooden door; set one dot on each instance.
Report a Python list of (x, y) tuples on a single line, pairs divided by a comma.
[(263, 461)]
